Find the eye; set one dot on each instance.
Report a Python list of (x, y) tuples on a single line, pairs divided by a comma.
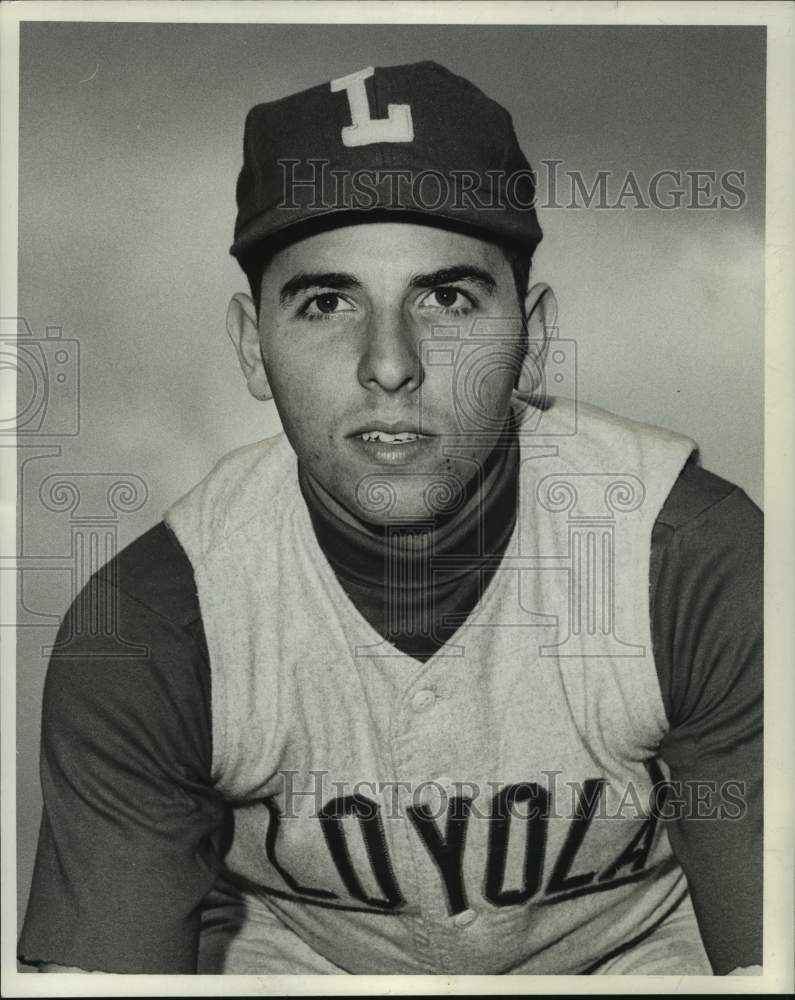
[(448, 299), (325, 305)]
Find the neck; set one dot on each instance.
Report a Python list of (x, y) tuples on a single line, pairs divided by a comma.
[(478, 529)]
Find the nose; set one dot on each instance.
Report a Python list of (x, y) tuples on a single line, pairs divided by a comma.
[(390, 357)]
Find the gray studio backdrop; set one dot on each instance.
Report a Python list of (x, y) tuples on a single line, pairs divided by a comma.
[(130, 143)]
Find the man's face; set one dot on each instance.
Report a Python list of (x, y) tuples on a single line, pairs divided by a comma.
[(382, 413)]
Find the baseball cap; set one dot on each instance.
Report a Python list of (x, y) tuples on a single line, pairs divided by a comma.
[(414, 139)]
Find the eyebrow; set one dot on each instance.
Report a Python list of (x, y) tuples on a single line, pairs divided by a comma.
[(340, 280), (304, 280), (448, 275)]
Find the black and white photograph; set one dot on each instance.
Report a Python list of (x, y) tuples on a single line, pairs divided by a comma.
[(397, 420)]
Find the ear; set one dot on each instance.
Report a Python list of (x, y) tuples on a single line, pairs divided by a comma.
[(541, 313), (243, 330)]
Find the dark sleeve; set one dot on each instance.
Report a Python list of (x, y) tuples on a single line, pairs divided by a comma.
[(130, 817), (707, 620)]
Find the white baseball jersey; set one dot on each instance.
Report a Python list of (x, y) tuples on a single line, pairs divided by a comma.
[(486, 811)]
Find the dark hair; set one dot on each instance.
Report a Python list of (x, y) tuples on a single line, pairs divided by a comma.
[(519, 257)]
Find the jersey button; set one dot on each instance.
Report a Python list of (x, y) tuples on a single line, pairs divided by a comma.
[(465, 918), (423, 700)]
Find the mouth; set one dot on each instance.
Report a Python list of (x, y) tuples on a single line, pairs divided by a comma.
[(397, 432), (402, 437), (393, 444)]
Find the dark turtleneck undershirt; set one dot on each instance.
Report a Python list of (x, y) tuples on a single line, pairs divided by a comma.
[(417, 585)]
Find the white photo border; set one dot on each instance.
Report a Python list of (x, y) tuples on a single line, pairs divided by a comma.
[(779, 18)]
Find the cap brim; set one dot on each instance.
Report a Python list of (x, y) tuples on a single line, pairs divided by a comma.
[(279, 225)]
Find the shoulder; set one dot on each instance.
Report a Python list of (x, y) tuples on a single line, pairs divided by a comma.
[(639, 459), (247, 484), (707, 526), (154, 572), (707, 596), (699, 497), (707, 547), (578, 420), (131, 657)]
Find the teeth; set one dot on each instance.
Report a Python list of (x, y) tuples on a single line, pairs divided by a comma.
[(401, 438)]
